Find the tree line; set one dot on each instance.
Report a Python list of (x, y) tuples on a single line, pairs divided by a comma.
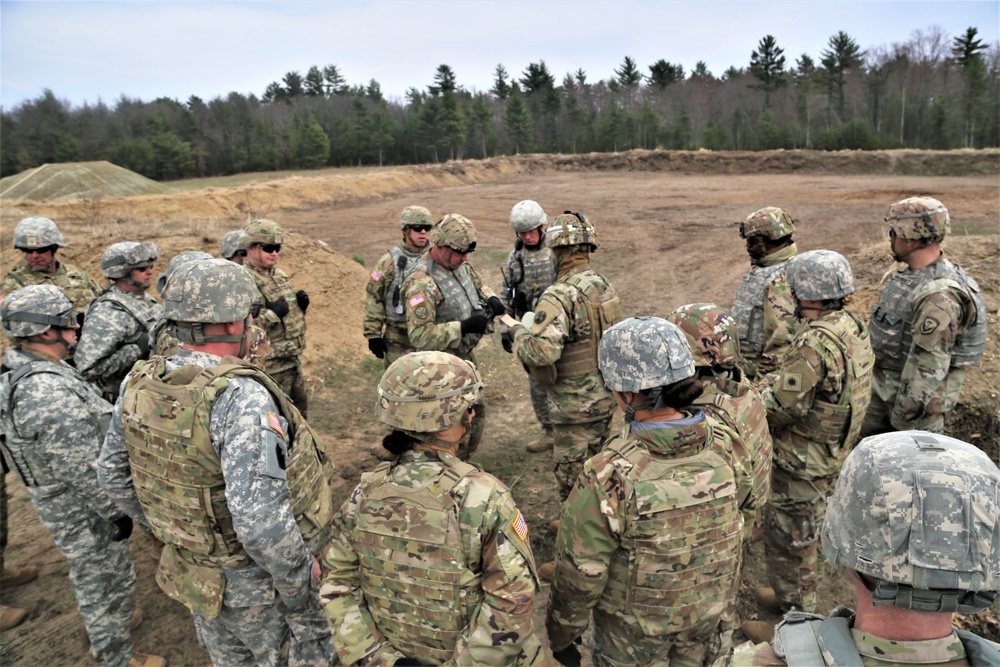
[(932, 91)]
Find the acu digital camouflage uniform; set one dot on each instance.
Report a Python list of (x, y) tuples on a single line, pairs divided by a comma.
[(928, 327), (815, 402), (385, 315), (763, 307), (559, 347), (429, 518), (53, 423), (214, 458), (649, 540)]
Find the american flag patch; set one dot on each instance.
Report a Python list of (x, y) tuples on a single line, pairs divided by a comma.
[(416, 301), (376, 276), (275, 423), (520, 526)]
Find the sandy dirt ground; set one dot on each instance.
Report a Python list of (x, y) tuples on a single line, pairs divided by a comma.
[(666, 238)]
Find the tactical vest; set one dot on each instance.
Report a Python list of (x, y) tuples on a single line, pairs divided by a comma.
[(460, 298), (404, 262), (892, 318), (529, 273), (748, 306), (417, 586), (144, 311), (288, 338), (680, 544), (73, 282), (33, 467), (178, 475), (579, 353)]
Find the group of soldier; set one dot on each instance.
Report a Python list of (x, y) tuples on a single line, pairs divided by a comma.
[(734, 425)]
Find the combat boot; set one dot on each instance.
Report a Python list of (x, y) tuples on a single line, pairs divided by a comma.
[(146, 660), (11, 617), (22, 576), (542, 443), (759, 632), (547, 571), (768, 600)]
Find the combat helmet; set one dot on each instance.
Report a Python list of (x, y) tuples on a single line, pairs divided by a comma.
[(571, 229), (427, 392), (644, 353), (210, 291), (32, 310), (37, 232), (415, 215), (456, 232), (264, 232), (918, 218), (527, 215), (769, 221), (711, 333), (820, 275), (232, 243), (919, 513), (121, 258), (176, 263)]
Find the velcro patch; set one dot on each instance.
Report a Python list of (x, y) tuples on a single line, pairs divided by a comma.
[(275, 424), (929, 326), (539, 317), (520, 526), (416, 301), (792, 382), (376, 276)]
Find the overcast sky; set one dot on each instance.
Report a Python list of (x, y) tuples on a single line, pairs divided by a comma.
[(86, 51)]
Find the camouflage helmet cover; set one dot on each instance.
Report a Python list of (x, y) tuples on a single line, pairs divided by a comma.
[(263, 232), (918, 218), (769, 221), (427, 392), (121, 258), (37, 232), (209, 291), (232, 243), (456, 232), (415, 215), (922, 511), (571, 229), (644, 353), (711, 332), (34, 309), (177, 262), (527, 215), (819, 275)]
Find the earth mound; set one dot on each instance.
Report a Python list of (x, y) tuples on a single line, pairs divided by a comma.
[(77, 180)]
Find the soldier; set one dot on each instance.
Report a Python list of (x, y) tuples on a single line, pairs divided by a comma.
[(559, 347), (447, 303), (53, 423), (234, 246), (529, 271), (165, 344), (763, 307), (816, 401), (284, 316), (385, 319), (430, 517), (39, 239), (649, 539), (905, 518), (118, 321), (231, 481), (928, 326)]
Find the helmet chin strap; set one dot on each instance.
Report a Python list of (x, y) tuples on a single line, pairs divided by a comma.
[(652, 398)]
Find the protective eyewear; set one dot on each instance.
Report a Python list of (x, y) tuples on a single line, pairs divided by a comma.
[(38, 251), (271, 247), (471, 248), (420, 228), (142, 267)]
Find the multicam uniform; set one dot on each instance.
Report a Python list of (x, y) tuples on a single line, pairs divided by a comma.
[(53, 423), (815, 402), (385, 315), (236, 489), (433, 519), (927, 328), (73, 282), (650, 540)]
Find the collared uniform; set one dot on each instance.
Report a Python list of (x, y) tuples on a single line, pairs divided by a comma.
[(74, 283), (764, 310), (385, 313)]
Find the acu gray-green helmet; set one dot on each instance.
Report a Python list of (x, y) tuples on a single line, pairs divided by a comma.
[(232, 243), (527, 215), (209, 291), (176, 263), (120, 259), (32, 310), (427, 392), (920, 513), (37, 232), (644, 353), (415, 215), (820, 275)]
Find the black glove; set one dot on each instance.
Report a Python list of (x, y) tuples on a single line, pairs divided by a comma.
[(123, 528), (475, 324), (407, 662), (507, 340), (378, 347), (520, 303), (80, 317), (569, 656), (143, 344), (302, 299), (279, 307), (496, 305)]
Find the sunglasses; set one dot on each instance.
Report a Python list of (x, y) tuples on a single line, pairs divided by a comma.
[(471, 248), (420, 228), (271, 247), (38, 251)]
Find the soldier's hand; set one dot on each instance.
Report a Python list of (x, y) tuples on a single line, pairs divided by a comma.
[(476, 324), (302, 299), (378, 347), (569, 656), (507, 340), (279, 307), (317, 574), (143, 344), (123, 528), (496, 305)]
